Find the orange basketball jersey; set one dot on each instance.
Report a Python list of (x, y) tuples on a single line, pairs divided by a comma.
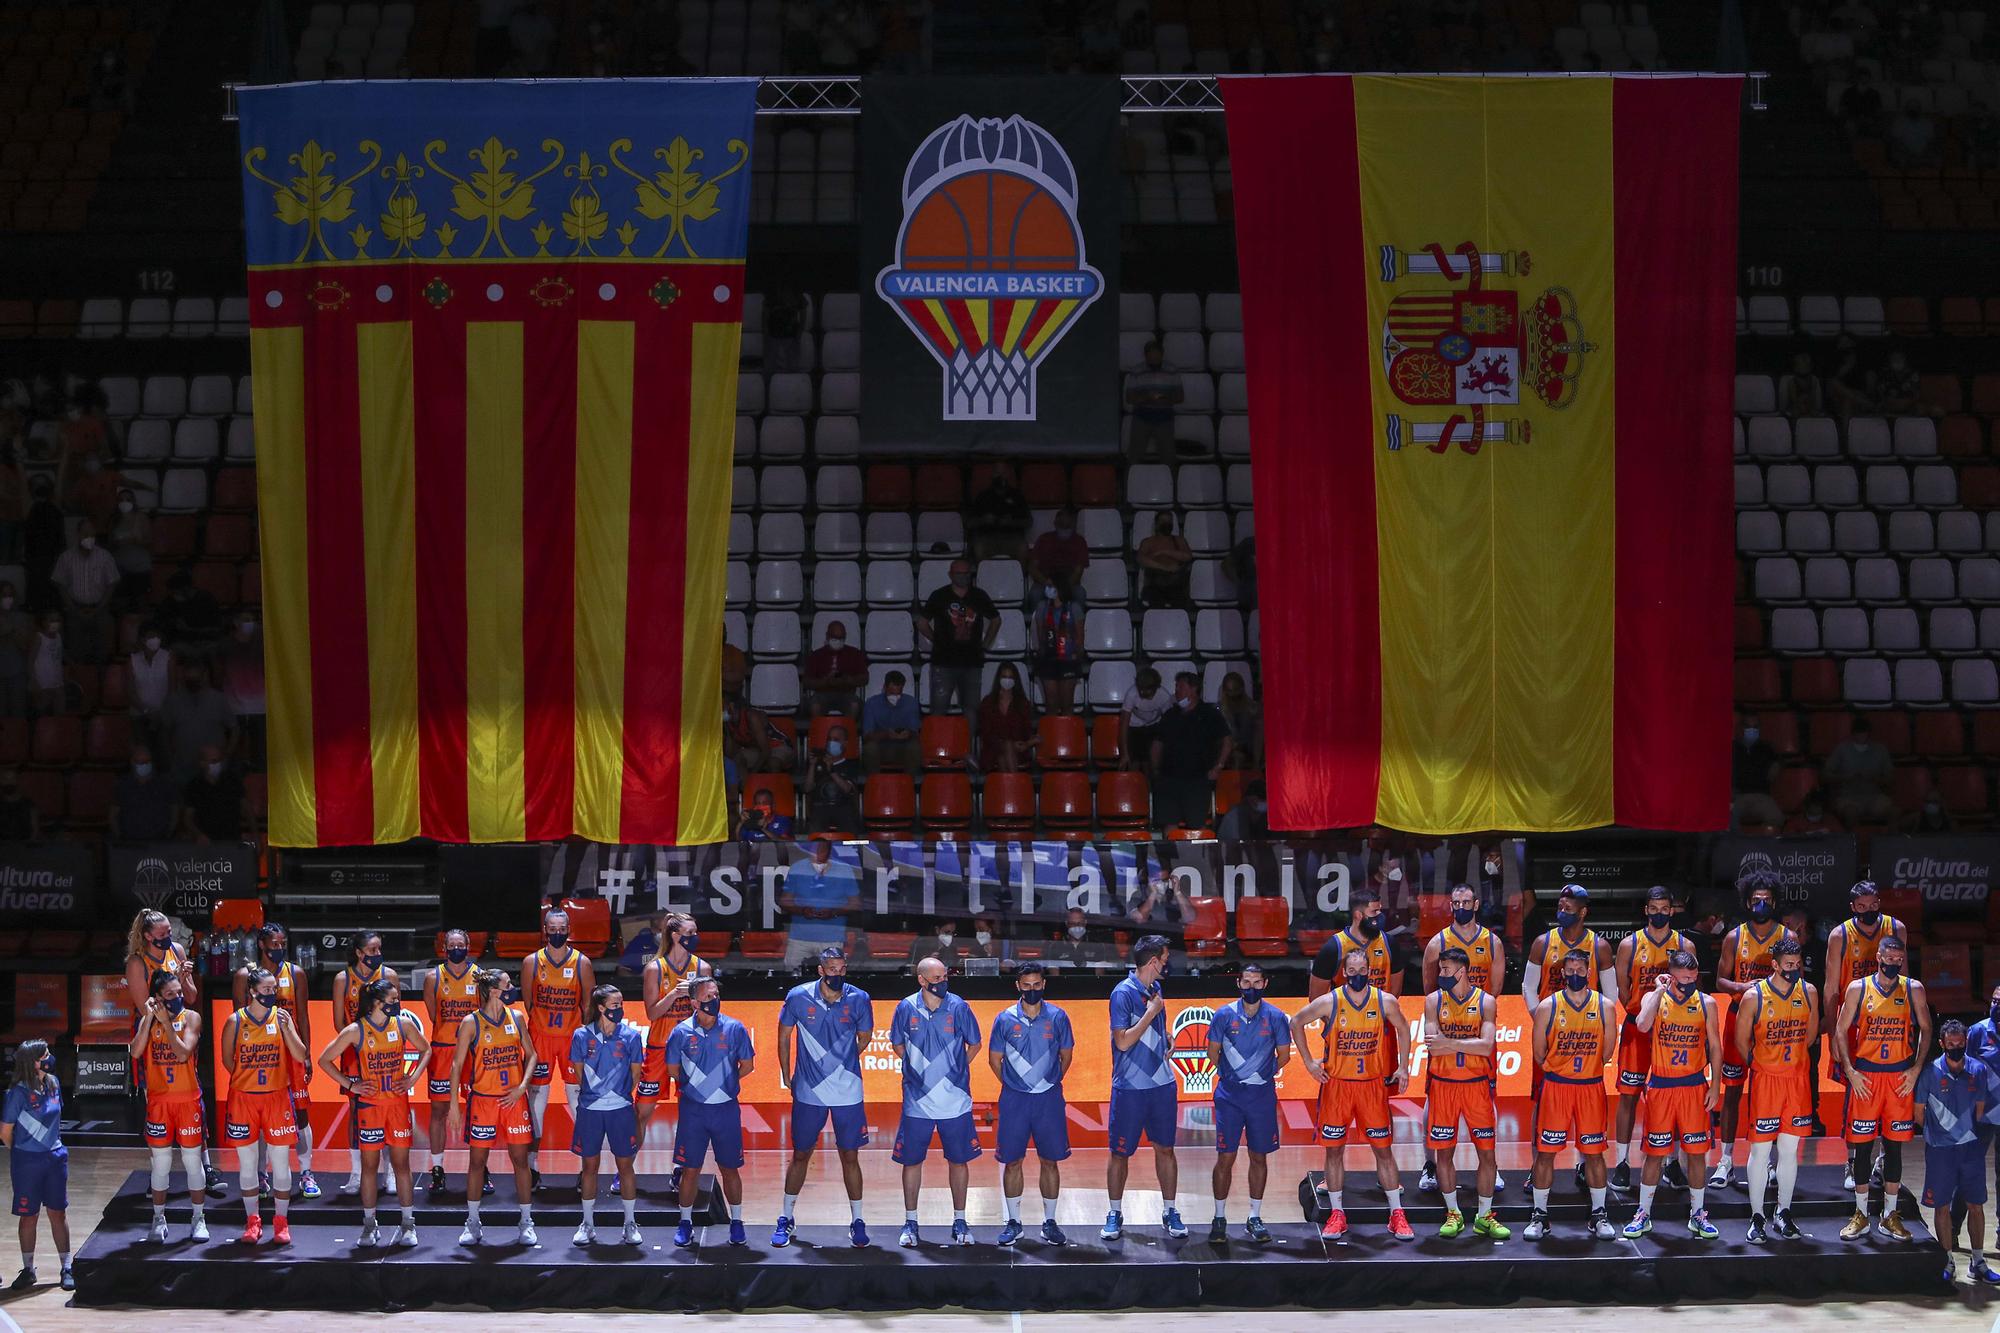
[(1778, 1033), (169, 1074), (1478, 953), (1648, 961), (457, 996), (291, 987), (1577, 1039), (1358, 1047), (1861, 945), (1557, 950), (501, 1057), (661, 1028), (1376, 951), (350, 1008), (1461, 1020), (384, 1054), (262, 1062), (1680, 1041), (558, 1005), (1883, 1036), (1753, 955)]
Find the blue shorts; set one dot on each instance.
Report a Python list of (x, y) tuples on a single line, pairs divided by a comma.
[(41, 1180), (957, 1136), (1253, 1121), (1954, 1174), (1040, 1118), (850, 1125), (1154, 1113), (595, 1129), (706, 1127)]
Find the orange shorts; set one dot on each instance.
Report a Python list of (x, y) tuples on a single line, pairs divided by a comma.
[(1676, 1117), (1735, 1064), (1570, 1113), (1362, 1103), (386, 1121), (487, 1122), (173, 1121), (1780, 1101), (440, 1068), (1470, 1100), (1635, 1058), (1884, 1111), (259, 1117), (654, 1085), (552, 1053)]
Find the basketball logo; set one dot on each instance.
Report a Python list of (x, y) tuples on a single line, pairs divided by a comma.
[(1189, 1051), (990, 269)]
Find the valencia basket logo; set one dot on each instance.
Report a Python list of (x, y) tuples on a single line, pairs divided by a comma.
[(990, 269), (1189, 1050)]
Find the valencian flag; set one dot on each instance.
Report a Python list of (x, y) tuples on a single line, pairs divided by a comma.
[(494, 337), (1489, 331)]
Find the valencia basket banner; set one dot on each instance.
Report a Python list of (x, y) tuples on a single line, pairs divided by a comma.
[(989, 253), (494, 337), (1489, 332)]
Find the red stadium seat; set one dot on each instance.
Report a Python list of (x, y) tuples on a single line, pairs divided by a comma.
[(235, 490), (1979, 487), (1909, 316), (1229, 788), (589, 924), (946, 804), (1065, 743), (945, 740), (1892, 729), (1912, 783), (1941, 393), (1312, 941), (1263, 927), (1963, 787), (1066, 805), (250, 583), (217, 578), (1045, 485), (889, 805), (1781, 730), (45, 787), (89, 797), (763, 945), (890, 945), (784, 798), (1986, 393), (173, 536), (107, 740), (114, 687), (1940, 735), (1816, 680), (1986, 736), (16, 733), (1749, 629), (1958, 316), (939, 486), (229, 537), (1104, 750), (1961, 437), (1009, 804), (58, 741), (1094, 485), (1207, 934), (1793, 786), (1758, 681), (886, 486), (1124, 805)]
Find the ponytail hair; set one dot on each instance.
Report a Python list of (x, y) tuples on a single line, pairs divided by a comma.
[(374, 993), (488, 981), (602, 996)]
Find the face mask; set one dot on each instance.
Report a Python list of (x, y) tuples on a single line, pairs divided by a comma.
[(159, 941), (614, 1012), (266, 1001), (1357, 981), (456, 956), (48, 1064), (1658, 920), (1750, 735), (512, 995), (1049, 591), (1394, 875), (1076, 933), (125, 506), (712, 1005), (142, 770), (1760, 911), (1033, 995), (836, 641), (215, 770), (393, 1009), (1790, 975), (370, 961), (153, 644), (1564, 920), (1463, 915), (88, 543), (1492, 867), (1868, 918), (558, 938), (945, 938), (833, 980), (1890, 971), (1184, 703), (983, 936), (1955, 1054), (1251, 994), (1452, 984), (835, 749), (1681, 992), (275, 952), (892, 695), (175, 1005), (687, 942), (1370, 927), (1575, 983), (1007, 684), (938, 988)]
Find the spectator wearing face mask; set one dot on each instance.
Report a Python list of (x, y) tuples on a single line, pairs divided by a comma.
[(1190, 748), (1152, 394), (1930, 817), (834, 674), (243, 683), (835, 778), (212, 803), (958, 622), (890, 722), (1248, 818), (947, 943), (1072, 946), (151, 668), (20, 819), (86, 577), (1006, 725), (1146, 703), (1162, 899), (46, 682), (143, 804), (1858, 773), (1055, 632), (1753, 768), (762, 820), (194, 718), (1166, 564), (1813, 817), (1060, 551), (17, 638), (132, 549), (986, 941)]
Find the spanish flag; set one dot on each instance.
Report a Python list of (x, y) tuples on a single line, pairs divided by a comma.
[(494, 340), (1489, 333)]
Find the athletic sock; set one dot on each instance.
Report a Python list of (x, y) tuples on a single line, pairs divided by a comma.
[(62, 1259), (160, 1212), (367, 1217), (735, 1212), (1727, 1160), (1861, 1198), (853, 1210), (957, 1216), (1221, 1211), (283, 1202), (629, 1205), (1597, 1198), (1697, 1196), (527, 1216), (1646, 1197), (589, 1211), (1617, 1154), (1333, 1199), (791, 1203), (1395, 1198), (1256, 1206), (1485, 1206), (910, 1216), (472, 1209), (1541, 1200), (1013, 1202), (195, 1216), (687, 1212), (1167, 1203), (409, 1217)]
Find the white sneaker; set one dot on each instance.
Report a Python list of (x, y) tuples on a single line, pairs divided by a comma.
[(371, 1235), (632, 1236), (199, 1231), (586, 1234), (470, 1236), (1499, 1183), (527, 1234), (406, 1235), (353, 1185), (159, 1232)]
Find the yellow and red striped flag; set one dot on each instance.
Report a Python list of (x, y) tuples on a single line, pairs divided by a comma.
[(494, 340), (1488, 325)]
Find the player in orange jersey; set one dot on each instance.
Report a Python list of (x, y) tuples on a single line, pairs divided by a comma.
[(1640, 959), (1777, 1025), (1459, 1031), (364, 964), (665, 988), (390, 1050), (274, 956), (1355, 1077), (1571, 1042), (1885, 1021), (165, 1045), (451, 991), (1681, 1088), (1541, 971), (555, 981), (493, 1059), (260, 1050), (1747, 958), (1486, 963), (150, 949)]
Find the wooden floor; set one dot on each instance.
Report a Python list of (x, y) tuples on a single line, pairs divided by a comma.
[(95, 1173)]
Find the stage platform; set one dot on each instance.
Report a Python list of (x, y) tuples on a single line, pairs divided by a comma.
[(325, 1269)]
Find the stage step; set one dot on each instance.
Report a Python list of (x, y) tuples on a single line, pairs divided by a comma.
[(558, 1204), (1820, 1193)]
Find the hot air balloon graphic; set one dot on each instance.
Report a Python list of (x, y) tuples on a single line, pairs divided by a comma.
[(990, 269)]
